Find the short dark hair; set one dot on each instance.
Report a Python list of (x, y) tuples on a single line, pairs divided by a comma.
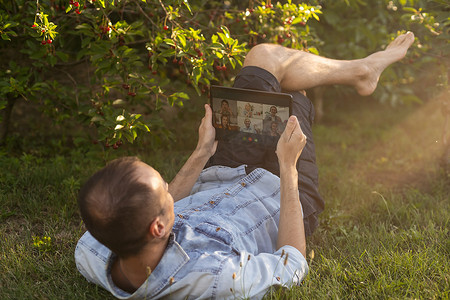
[(117, 208)]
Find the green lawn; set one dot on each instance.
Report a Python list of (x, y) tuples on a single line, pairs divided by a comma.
[(384, 233)]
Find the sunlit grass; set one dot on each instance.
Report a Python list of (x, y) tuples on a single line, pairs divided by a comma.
[(384, 233)]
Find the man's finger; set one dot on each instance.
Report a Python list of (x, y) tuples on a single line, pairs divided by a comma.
[(290, 127), (208, 111)]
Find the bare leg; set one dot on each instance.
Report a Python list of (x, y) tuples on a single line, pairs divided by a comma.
[(298, 70)]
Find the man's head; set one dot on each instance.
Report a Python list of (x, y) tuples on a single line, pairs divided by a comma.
[(126, 205), (247, 122)]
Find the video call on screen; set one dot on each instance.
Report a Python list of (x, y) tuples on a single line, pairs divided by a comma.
[(244, 121)]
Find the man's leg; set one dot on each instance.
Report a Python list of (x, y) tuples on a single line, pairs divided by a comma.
[(298, 70)]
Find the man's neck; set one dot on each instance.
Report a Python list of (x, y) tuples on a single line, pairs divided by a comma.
[(131, 272)]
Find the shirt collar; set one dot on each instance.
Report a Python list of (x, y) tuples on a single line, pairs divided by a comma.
[(173, 259)]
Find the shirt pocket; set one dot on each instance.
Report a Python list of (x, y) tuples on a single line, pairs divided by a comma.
[(217, 237)]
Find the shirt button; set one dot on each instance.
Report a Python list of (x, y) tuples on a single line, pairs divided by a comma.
[(217, 229), (212, 202), (180, 216), (228, 194), (243, 184)]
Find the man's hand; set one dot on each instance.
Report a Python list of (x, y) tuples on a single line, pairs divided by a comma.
[(207, 144), (291, 143)]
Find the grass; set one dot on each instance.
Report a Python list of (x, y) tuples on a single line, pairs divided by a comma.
[(384, 233)]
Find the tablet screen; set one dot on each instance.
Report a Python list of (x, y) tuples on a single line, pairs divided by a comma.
[(249, 116)]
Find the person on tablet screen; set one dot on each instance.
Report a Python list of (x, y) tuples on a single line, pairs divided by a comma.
[(224, 122), (225, 109), (232, 222), (247, 127), (248, 110), (274, 129), (272, 116)]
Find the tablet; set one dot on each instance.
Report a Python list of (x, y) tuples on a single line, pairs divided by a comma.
[(249, 116)]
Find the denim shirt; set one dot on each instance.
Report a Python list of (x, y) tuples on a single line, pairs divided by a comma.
[(223, 243)]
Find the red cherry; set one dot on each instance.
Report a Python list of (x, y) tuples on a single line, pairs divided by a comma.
[(224, 68), (126, 86), (132, 94), (175, 61), (119, 142), (180, 62), (33, 26), (44, 42), (49, 41), (166, 27), (200, 54), (218, 68), (302, 23), (77, 11), (76, 4), (154, 72), (115, 146)]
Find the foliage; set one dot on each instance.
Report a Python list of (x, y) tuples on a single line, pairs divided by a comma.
[(354, 28), (95, 62)]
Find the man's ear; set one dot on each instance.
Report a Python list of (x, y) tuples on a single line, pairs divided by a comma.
[(157, 228)]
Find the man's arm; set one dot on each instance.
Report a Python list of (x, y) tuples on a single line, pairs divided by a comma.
[(291, 228), (183, 182)]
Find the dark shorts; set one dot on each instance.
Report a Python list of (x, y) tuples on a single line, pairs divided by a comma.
[(254, 156)]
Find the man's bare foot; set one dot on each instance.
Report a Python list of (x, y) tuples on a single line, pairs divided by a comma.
[(377, 62)]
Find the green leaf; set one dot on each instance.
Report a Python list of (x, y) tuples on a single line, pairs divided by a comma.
[(182, 40), (5, 37), (129, 137), (185, 2), (181, 95), (62, 56), (410, 9)]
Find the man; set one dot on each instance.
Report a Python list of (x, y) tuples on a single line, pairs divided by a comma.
[(235, 229), (247, 127)]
